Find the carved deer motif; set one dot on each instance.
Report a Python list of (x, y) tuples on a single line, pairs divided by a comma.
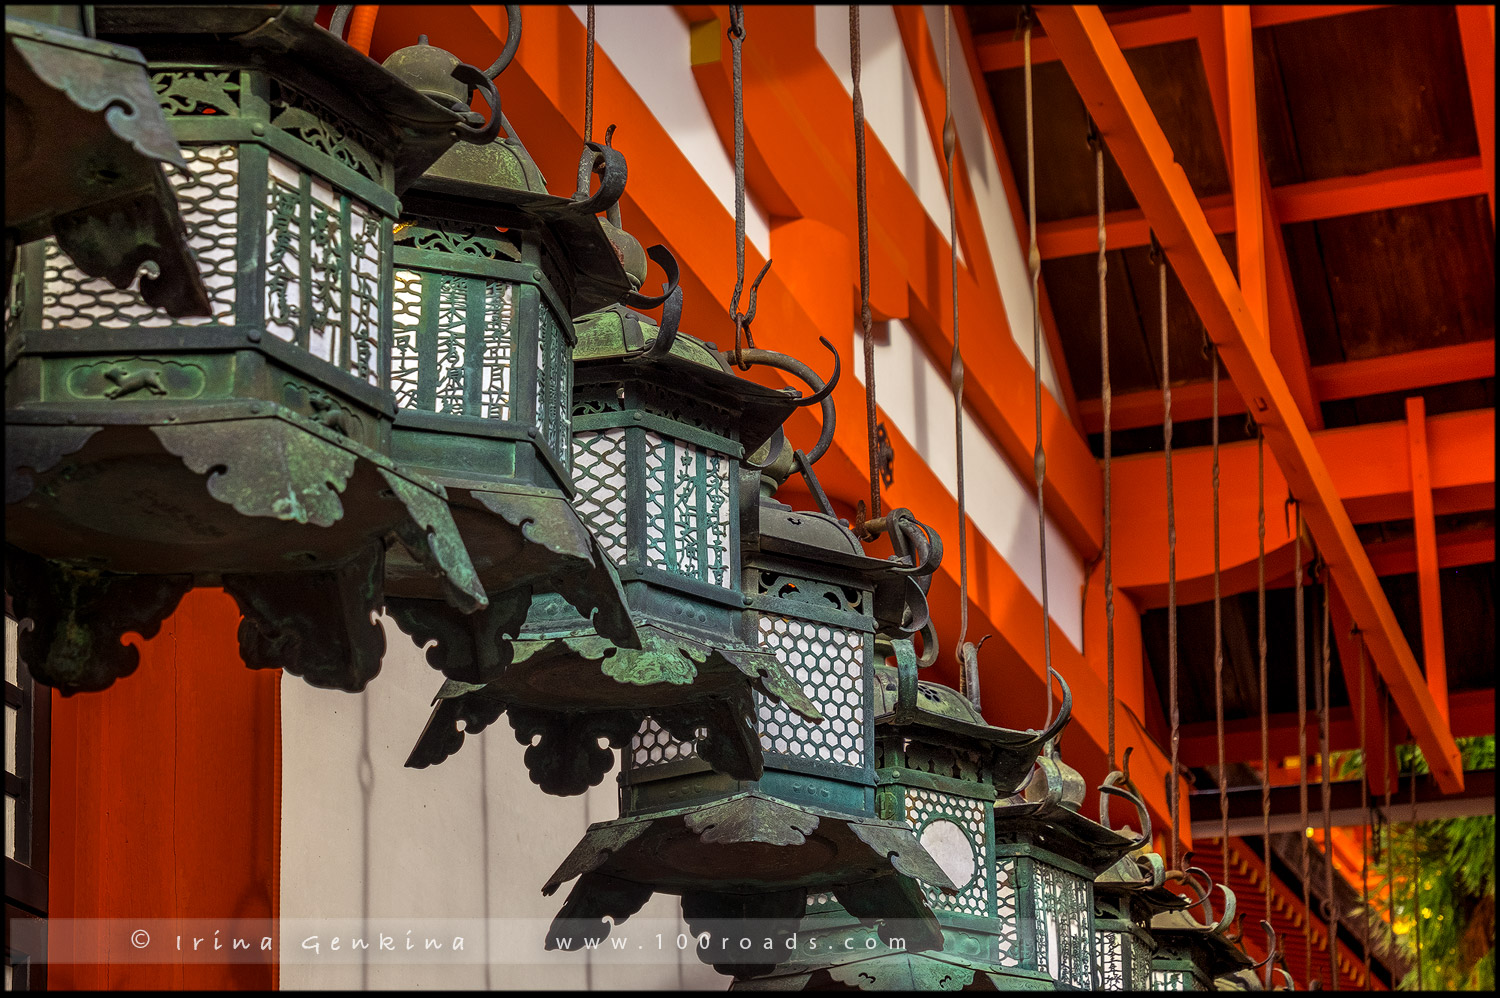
[(127, 383)]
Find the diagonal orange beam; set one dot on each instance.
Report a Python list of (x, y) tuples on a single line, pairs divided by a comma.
[(1476, 29), (1244, 156), (1424, 525), (1113, 96), (999, 51)]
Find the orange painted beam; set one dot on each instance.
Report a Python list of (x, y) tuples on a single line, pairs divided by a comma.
[(1434, 659), (798, 108), (1309, 201), (1476, 29), (1380, 766), (1112, 95), (165, 804), (1244, 157), (1399, 372), (1455, 549), (1461, 448), (999, 51)]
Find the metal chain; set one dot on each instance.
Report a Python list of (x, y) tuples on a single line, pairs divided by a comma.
[(1327, 788), (1390, 872), (588, 82), (1364, 807), (742, 335), (1039, 456), (862, 209), (1219, 635), (1175, 716), (1106, 397), (1265, 705), (1416, 864), (956, 363), (1302, 743)]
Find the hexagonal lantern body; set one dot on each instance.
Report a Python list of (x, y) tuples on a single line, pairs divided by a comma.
[(738, 849), (1126, 896), (940, 767), (248, 448), (489, 273), (1190, 955), (85, 144), (660, 426)]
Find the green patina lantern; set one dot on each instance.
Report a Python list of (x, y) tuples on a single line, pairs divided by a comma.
[(940, 767), (660, 428), (490, 271), (147, 453), (85, 144), (738, 849), (1191, 954)]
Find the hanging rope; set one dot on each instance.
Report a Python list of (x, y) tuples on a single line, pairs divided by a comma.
[(1416, 863), (1327, 776), (862, 209), (742, 320), (1034, 260), (1175, 717), (1106, 397), (1364, 807), (1390, 873), (585, 164), (1219, 635), (1302, 742), (1260, 614)]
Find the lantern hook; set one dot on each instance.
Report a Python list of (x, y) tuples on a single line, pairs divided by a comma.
[(912, 539), (668, 264), (821, 389), (512, 41), (608, 163), (1064, 713), (1112, 786), (478, 134), (1270, 956)]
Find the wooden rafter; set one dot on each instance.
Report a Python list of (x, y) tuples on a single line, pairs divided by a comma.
[(1310, 201), (1434, 659), (999, 51), (1113, 96), (1400, 372), (1476, 29)]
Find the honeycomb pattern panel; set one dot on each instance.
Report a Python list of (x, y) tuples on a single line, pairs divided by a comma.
[(599, 477), (208, 198), (829, 663), (653, 745), (924, 805), (1008, 911)]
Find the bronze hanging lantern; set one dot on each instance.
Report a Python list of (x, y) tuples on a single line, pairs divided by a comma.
[(737, 848), (85, 147), (660, 427), (940, 767), (1191, 954), (146, 454), (490, 273)]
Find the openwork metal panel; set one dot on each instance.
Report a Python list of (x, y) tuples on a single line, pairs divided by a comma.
[(653, 746), (688, 510), (829, 663), (1064, 911), (208, 198), (454, 340), (1140, 964), (1110, 953), (1008, 911), (599, 481), (554, 386), (1172, 980), (322, 270), (924, 806)]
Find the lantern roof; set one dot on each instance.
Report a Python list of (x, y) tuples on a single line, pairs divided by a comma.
[(613, 341), (285, 41)]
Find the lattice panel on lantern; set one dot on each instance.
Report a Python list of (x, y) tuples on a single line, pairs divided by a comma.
[(208, 198), (1171, 980), (654, 746), (687, 510), (454, 337), (820, 902), (1110, 952), (322, 270), (1064, 909), (828, 662), (599, 483), (305, 119), (924, 805), (1008, 912), (1140, 964), (554, 386)]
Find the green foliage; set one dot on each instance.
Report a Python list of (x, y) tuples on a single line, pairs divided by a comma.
[(1441, 876)]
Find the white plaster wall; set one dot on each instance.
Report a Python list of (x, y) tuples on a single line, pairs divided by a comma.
[(915, 395), (651, 48), (472, 838)]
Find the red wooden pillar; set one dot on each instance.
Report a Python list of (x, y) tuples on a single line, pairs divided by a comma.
[(166, 803)]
